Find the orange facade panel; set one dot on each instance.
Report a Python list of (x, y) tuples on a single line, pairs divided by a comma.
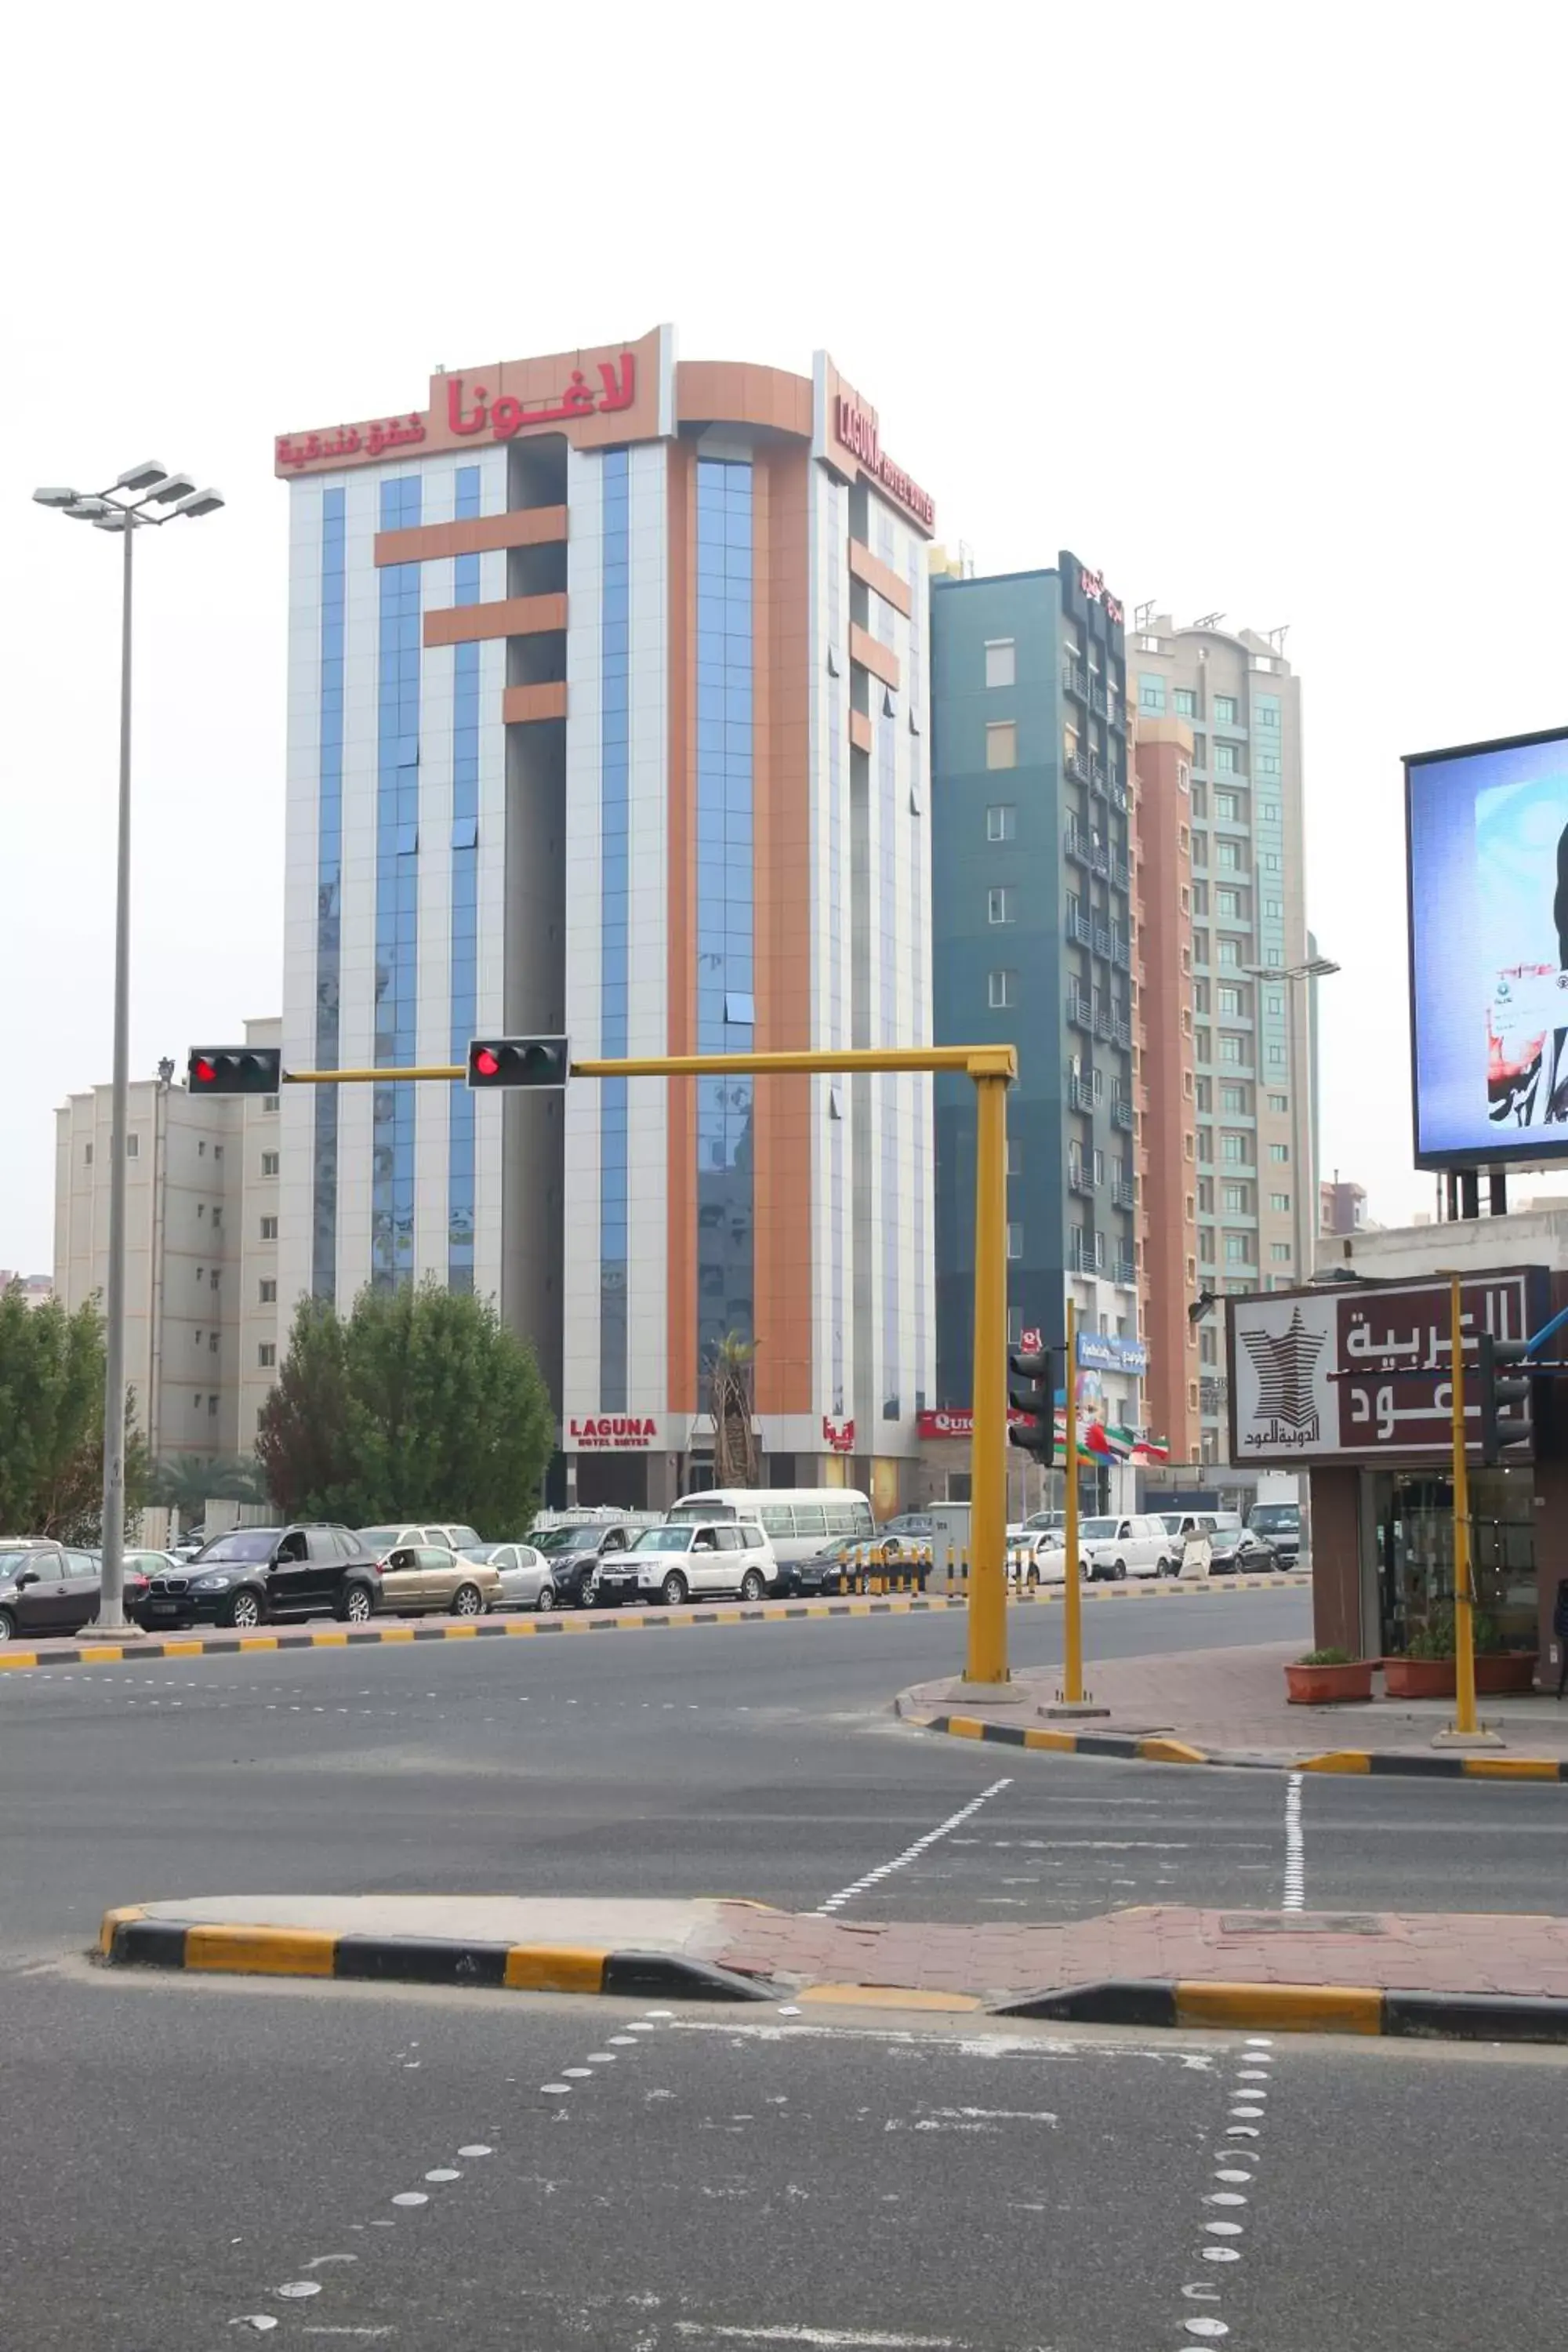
[(479, 535), (859, 730), (510, 616), (715, 391), (879, 659), (521, 704), (877, 575)]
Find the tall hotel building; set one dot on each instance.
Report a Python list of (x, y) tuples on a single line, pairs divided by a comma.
[(608, 715)]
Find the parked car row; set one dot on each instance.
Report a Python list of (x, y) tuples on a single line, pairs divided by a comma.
[(1150, 1544)]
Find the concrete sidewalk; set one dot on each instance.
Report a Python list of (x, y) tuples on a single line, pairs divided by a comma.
[(1228, 1706), (1497, 1977)]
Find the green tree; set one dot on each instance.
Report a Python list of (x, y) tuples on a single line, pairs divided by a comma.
[(420, 1404), (51, 1423), (183, 1483)]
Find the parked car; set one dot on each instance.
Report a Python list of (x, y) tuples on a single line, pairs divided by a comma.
[(573, 1554), (687, 1557), (450, 1534), (1039, 1556), (524, 1571), (1237, 1551), (411, 1580), (1134, 1545), (1180, 1526), (50, 1588), (1280, 1524), (249, 1574)]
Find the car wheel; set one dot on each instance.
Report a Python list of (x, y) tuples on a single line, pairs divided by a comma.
[(8, 1626), (546, 1599), (244, 1611), (672, 1591), (356, 1608), (752, 1585), (1118, 1572), (467, 1602)]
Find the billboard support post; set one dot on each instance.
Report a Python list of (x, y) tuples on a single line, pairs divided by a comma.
[(1464, 1612)]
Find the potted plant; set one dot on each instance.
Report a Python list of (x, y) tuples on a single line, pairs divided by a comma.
[(1328, 1678), (1427, 1668), (1499, 1668)]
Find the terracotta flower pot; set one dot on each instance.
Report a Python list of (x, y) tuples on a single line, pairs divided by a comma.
[(1505, 1670), (1328, 1686), (1418, 1678)]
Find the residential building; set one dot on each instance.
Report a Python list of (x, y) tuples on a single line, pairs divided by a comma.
[(1342, 1207), (1167, 1109), (608, 716), (1251, 1003), (202, 1335), (1033, 945)]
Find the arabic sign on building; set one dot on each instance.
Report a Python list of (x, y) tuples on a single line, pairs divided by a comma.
[(1363, 1370), (593, 397), (611, 1433), (1092, 585), (838, 1435)]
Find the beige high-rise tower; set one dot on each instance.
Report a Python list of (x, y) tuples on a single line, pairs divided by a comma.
[(1251, 1004)]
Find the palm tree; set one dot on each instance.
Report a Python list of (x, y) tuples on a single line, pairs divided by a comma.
[(730, 1376), (186, 1482)]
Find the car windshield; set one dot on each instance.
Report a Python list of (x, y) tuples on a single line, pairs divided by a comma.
[(245, 1544), (664, 1539), (1098, 1530), (380, 1538), (479, 1553), (1045, 1519), (10, 1562), (563, 1539), (1276, 1518)]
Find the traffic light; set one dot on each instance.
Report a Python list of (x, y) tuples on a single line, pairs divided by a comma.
[(233, 1070), (1506, 1387), (518, 1062), (1032, 1391)]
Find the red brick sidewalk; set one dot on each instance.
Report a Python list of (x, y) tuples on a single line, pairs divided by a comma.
[(1234, 1699), (1516, 1954)]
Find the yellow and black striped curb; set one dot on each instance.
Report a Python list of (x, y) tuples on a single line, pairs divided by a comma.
[(1301, 2009), (128, 1939), (1161, 1749), (625, 1620)]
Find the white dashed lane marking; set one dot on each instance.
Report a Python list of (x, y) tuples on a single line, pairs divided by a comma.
[(911, 1853)]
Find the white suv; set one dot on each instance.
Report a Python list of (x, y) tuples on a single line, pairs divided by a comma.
[(688, 1557), (1134, 1546)]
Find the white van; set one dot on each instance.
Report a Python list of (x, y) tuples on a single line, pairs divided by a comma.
[(799, 1521), (1136, 1545)]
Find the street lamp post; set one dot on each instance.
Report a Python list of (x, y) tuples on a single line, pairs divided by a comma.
[(127, 507)]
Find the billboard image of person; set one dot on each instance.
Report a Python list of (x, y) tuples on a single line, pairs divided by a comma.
[(1488, 845)]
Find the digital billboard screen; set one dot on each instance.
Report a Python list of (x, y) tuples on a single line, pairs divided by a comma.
[(1487, 841)]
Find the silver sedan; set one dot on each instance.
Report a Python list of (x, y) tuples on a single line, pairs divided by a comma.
[(524, 1573)]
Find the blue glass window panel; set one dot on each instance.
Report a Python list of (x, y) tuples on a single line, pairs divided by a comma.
[(465, 832)]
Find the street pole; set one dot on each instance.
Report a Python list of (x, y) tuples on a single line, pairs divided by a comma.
[(1464, 1614), (1072, 1596), (987, 1657), (110, 1616)]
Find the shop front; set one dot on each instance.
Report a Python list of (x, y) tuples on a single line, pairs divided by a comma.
[(1351, 1382)]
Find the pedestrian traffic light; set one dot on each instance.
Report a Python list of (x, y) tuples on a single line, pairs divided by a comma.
[(518, 1062), (233, 1070), (1032, 1393), (1507, 1391)]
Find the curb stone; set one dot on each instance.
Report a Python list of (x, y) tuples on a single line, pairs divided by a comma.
[(17, 1658), (126, 1939), (1161, 1749), (1300, 2008)]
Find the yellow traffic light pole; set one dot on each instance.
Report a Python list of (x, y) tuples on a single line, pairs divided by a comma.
[(993, 1069), (1072, 1597), (1464, 1611)]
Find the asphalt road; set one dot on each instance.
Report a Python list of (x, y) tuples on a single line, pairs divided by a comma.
[(720, 1760), (193, 2163)]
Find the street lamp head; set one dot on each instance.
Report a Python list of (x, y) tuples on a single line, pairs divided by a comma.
[(111, 520), (88, 509), (143, 476), (176, 485), (203, 502), (53, 498), (1321, 968)]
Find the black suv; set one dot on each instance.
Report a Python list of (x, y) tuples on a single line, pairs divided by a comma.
[(574, 1553), (243, 1577)]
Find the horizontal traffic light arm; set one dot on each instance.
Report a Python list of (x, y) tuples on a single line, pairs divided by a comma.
[(976, 1061)]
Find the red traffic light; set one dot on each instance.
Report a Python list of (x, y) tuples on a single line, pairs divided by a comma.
[(235, 1069), (518, 1061), (202, 1071), (486, 1064)]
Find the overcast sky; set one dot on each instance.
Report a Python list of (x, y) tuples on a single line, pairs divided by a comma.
[(1258, 309)]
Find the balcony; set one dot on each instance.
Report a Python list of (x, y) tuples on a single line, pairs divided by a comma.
[(1119, 796), (1121, 1031), (1081, 1095), (1079, 1178), (1099, 858), (1096, 694), (1078, 1014), (1121, 876), (1073, 680), (1099, 781), (1121, 951), (1076, 767), (1104, 1026), (1126, 1273), (1121, 1113), (1123, 1192), (1214, 1394), (1102, 942), (1080, 928), (1118, 712), (1077, 845), (1083, 1255)]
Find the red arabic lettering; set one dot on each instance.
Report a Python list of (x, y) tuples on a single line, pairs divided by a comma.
[(456, 422)]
